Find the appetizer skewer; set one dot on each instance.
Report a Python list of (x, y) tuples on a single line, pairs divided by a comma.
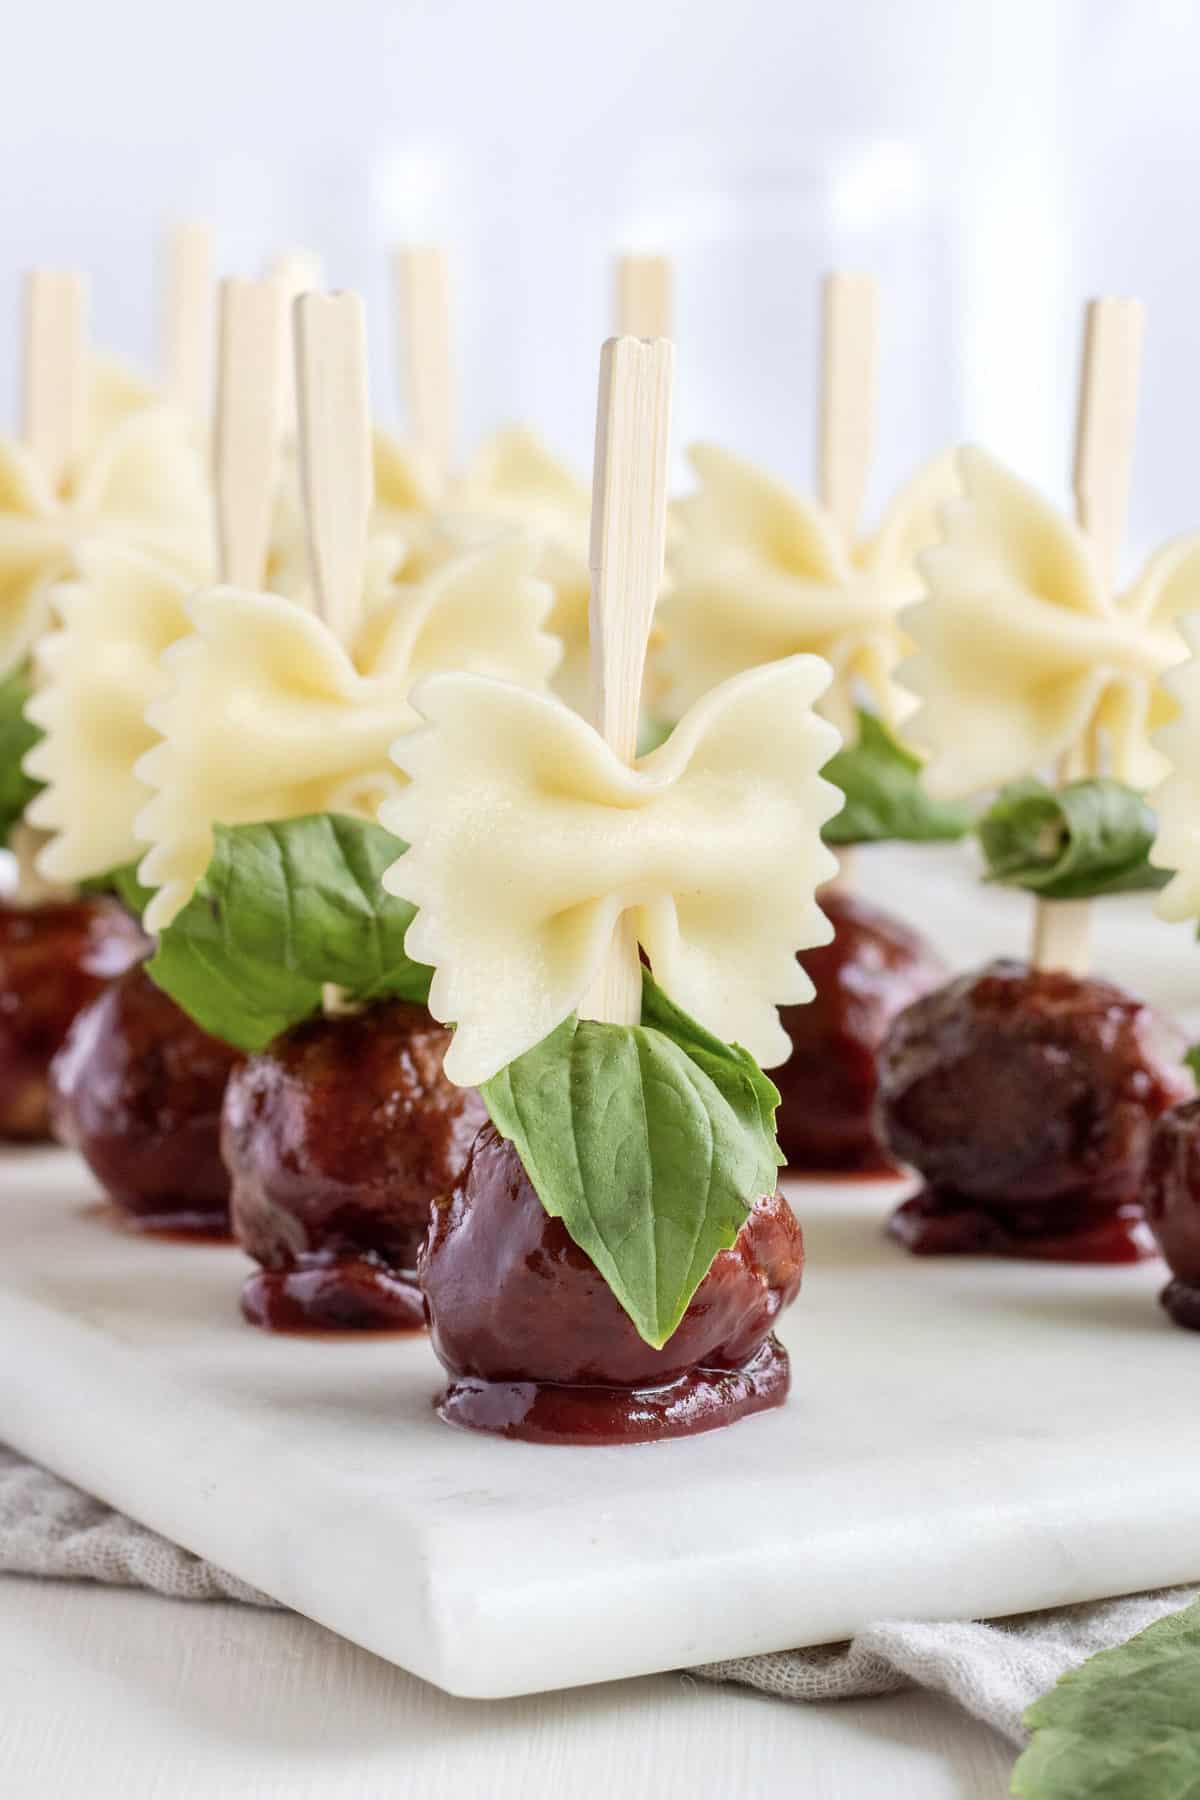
[(58, 948), (624, 1289), (1024, 1094), (1171, 1191), (275, 934), (138, 1086), (757, 573)]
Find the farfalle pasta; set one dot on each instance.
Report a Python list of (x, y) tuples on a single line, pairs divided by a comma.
[(142, 486), (529, 838), (514, 484), (1177, 800), (97, 673), (515, 480), (268, 716), (759, 572), (1022, 652)]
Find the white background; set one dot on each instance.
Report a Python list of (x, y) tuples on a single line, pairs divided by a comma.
[(993, 163)]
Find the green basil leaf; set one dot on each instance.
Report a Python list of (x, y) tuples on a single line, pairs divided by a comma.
[(884, 796), (18, 735), (281, 910), (1192, 1061), (652, 732), (650, 1142), (1125, 1725), (1089, 837)]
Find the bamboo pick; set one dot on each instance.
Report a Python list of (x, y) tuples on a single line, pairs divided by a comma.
[(249, 425), (1104, 439), (297, 272), (846, 417), (644, 299), (55, 370), (335, 451), (187, 318), (849, 401), (422, 285), (629, 521)]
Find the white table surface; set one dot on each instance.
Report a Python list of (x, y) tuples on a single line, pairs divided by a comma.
[(110, 1692)]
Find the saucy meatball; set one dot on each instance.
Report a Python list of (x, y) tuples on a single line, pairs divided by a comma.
[(538, 1348), (55, 957), (874, 967), (1026, 1099), (1172, 1199), (137, 1089), (337, 1139)]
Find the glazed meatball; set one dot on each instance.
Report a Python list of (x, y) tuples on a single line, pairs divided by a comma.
[(873, 969), (1026, 1100), (337, 1138), (54, 958), (137, 1090), (1172, 1199), (539, 1348)]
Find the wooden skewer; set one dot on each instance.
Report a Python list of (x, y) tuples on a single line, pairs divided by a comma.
[(249, 425), (849, 395), (422, 283), (644, 297), (187, 318), (1104, 438), (55, 371), (629, 519), (335, 451), (297, 272), (846, 418)]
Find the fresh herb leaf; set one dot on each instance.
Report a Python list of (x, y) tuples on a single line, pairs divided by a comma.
[(18, 735), (1090, 837), (1124, 1726), (1192, 1061), (650, 1142), (884, 796), (282, 910), (652, 732)]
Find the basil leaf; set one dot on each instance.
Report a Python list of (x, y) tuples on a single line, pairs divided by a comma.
[(18, 735), (652, 732), (884, 796), (1090, 837), (650, 1142), (1125, 1724), (281, 910), (1191, 1060)]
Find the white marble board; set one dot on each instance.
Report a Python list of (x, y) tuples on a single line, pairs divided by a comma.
[(963, 1438)]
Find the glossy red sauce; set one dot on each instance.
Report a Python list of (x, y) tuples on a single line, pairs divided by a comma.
[(1026, 1099), (538, 1348), (874, 968), (137, 1090), (55, 958), (1172, 1200), (338, 1137)]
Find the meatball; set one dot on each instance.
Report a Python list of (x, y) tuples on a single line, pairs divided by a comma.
[(137, 1089), (538, 1347), (873, 969), (55, 957), (1172, 1199), (337, 1138), (1026, 1100)]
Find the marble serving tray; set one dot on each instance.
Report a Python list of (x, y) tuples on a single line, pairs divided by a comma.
[(963, 1438)]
